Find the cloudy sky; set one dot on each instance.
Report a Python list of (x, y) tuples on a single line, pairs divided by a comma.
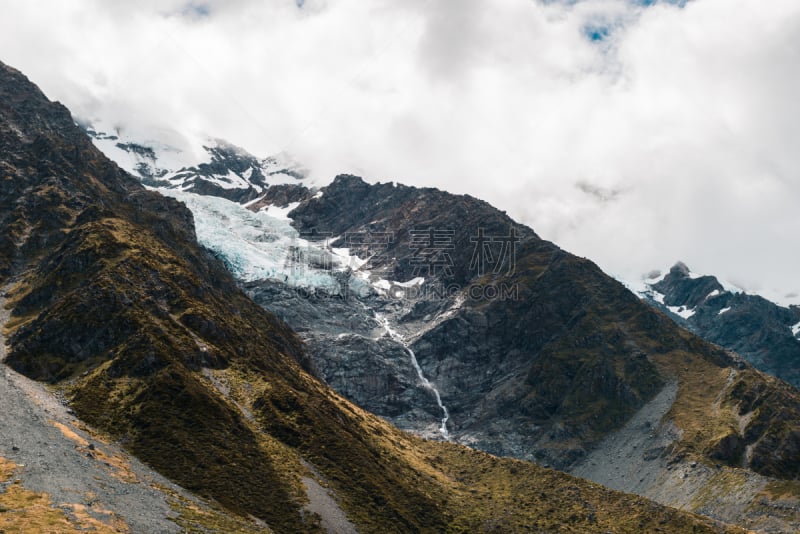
[(635, 133)]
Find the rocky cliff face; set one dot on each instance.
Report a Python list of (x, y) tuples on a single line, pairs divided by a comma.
[(538, 360), (544, 360), (765, 334), (147, 338)]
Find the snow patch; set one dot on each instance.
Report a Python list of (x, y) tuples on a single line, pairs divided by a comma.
[(228, 181), (280, 213), (643, 287), (682, 311), (730, 287), (418, 281), (796, 330), (724, 310), (127, 160), (251, 202), (638, 288), (382, 284), (283, 169)]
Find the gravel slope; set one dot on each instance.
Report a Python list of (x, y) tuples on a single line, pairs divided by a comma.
[(322, 503), (58, 458), (630, 459), (636, 459)]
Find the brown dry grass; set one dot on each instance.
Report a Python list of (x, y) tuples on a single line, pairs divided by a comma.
[(26, 512), (118, 465)]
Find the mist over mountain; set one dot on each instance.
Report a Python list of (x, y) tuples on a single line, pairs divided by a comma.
[(668, 125)]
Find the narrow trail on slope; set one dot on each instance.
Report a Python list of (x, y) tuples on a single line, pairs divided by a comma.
[(427, 384)]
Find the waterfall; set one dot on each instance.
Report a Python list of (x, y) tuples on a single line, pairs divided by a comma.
[(427, 384)]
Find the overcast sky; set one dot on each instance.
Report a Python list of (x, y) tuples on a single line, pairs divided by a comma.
[(633, 133)]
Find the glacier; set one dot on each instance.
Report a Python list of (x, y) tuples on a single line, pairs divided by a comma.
[(263, 245)]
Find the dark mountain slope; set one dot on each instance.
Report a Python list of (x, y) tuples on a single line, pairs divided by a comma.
[(111, 297), (558, 354), (351, 206), (146, 334)]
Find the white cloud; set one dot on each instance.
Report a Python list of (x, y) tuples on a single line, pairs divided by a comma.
[(673, 137)]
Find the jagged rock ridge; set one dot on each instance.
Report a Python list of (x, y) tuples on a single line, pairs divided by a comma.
[(765, 334)]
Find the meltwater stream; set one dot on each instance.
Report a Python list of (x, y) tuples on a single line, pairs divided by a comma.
[(427, 384)]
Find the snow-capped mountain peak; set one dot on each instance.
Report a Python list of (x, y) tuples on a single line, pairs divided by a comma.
[(762, 331), (209, 166)]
